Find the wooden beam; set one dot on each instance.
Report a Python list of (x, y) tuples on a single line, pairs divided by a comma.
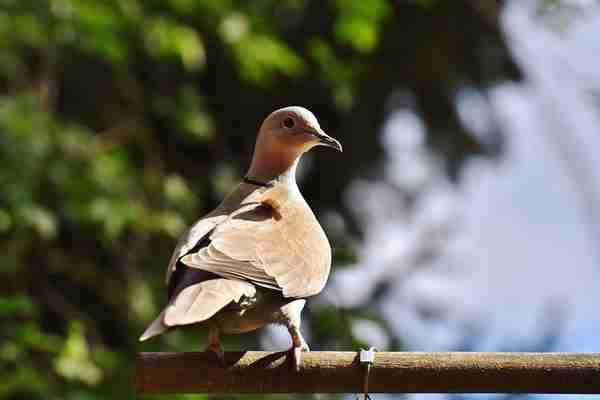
[(340, 372)]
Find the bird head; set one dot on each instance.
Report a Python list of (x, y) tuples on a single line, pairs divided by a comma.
[(283, 137), (296, 129)]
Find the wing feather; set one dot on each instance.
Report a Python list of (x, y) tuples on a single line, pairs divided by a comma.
[(199, 302), (190, 239), (276, 243)]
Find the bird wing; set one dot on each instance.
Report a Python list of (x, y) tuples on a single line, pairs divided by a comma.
[(192, 237), (198, 232), (275, 242), (198, 302)]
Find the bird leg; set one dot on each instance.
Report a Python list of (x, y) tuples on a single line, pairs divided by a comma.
[(214, 344), (291, 315), (298, 345)]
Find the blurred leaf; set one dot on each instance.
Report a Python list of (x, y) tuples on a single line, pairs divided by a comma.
[(109, 360), (261, 57), (30, 335), (165, 37), (19, 305), (186, 112), (74, 360), (141, 300), (359, 23), (177, 192), (5, 221), (234, 27), (41, 220), (24, 380), (97, 28)]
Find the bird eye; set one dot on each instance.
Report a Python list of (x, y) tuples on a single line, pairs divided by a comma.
[(289, 122)]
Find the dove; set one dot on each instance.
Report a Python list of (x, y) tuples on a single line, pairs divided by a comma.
[(254, 259)]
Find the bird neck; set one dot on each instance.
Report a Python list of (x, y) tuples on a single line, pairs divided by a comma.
[(273, 170)]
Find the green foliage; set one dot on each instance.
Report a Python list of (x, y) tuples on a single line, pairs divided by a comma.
[(359, 23), (165, 38), (74, 362), (261, 56)]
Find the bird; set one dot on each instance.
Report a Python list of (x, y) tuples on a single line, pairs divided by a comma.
[(261, 252)]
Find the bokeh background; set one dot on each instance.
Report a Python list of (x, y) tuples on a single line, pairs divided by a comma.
[(463, 212)]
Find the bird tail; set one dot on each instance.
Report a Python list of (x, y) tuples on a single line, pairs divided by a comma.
[(198, 302), (156, 328)]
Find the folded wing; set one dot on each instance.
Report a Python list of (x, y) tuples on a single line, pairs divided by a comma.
[(198, 302), (272, 243)]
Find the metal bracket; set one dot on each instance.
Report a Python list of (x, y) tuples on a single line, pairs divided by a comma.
[(367, 358)]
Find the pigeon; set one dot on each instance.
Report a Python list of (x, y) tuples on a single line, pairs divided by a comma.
[(254, 259)]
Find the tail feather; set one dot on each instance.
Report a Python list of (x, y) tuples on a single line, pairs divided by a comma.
[(156, 328)]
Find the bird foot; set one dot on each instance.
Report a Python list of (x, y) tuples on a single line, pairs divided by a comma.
[(296, 353), (214, 344), (217, 350)]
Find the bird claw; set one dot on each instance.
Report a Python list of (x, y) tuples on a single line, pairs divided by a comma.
[(214, 345), (217, 350), (296, 357), (304, 346), (296, 352)]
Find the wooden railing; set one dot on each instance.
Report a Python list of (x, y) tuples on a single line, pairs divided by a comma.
[(341, 372)]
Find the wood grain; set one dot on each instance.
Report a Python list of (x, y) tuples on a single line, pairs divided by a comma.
[(340, 372)]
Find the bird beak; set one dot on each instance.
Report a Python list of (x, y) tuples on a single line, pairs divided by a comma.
[(326, 140)]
